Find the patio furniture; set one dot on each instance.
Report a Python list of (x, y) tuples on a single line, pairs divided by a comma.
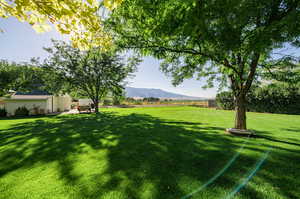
[(84, 108)]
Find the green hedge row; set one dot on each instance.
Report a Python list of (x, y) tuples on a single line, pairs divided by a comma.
[(273, 98)]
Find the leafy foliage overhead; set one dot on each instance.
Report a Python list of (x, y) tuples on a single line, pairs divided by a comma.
[(192, 37), (286, 69), (78, 18)]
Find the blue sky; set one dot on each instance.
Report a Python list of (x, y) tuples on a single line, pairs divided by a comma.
[(20, 42)]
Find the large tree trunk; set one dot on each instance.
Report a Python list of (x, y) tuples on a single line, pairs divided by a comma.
[(96, 104), (240, 108), (240, 87)]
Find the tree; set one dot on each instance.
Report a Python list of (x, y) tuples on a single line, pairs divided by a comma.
[(93, 73), (19, 77), (79, 19), (151, 99), (118, 96), (222, 41), (286, 70), (225, 100), (7, 76)]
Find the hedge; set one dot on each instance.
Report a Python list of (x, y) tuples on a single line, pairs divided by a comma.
[(271, 99)]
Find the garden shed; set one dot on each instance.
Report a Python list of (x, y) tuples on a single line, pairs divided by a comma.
[(37, 102)]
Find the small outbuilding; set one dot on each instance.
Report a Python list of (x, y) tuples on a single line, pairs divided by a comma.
[(37, 102)]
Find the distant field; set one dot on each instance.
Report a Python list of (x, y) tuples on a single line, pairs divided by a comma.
[(200, 103), (149, 153)]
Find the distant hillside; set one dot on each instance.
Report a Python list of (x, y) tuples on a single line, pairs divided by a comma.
[(158, 93)]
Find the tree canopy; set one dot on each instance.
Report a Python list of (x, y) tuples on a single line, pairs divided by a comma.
[(286, 70), (222, 41), (91, 73), (19, 77), (77, 18)]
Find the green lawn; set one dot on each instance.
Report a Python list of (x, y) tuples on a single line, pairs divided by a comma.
[(159, 153)]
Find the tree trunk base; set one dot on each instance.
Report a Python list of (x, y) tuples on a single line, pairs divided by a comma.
[(240, 132)]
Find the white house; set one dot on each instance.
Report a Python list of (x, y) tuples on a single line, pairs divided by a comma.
[(37, 102)]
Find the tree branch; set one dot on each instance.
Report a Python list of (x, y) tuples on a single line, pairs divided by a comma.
[(227, 64), (251, 74)]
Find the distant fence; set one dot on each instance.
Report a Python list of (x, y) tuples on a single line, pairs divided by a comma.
[(202, 103), (206, 103)]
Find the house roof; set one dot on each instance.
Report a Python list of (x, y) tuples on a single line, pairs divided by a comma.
[(32, 95), (33, 92), (29, 97)]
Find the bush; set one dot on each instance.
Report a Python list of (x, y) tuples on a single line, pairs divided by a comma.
[(138, 102), (116, 102), (117, 99), (3, 112), (107, 102), (273, 98), (36, 110), (130, 99), (225, 100), (151, 99), (22, 111)]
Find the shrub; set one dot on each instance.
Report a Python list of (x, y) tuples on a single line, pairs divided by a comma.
[(138, 102), (107, 102), (36, 110), (151, 99), (130, 99), (116, 102), (225, 100), (3, 112), (273, 98), (117, 99), (42, 111), (22, 111)]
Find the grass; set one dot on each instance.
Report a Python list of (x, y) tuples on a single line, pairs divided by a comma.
[(161, 153)]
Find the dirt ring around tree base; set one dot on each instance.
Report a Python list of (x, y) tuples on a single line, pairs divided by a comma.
[(240, 132)]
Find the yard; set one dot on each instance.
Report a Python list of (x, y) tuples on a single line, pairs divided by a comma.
[(159, 153)]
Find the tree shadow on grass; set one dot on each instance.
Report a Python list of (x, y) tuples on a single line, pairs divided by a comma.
[(273, 139), (135, 156), (266, 136), (295, 130)]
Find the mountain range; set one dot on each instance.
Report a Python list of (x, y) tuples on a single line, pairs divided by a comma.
[(157, 93)]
